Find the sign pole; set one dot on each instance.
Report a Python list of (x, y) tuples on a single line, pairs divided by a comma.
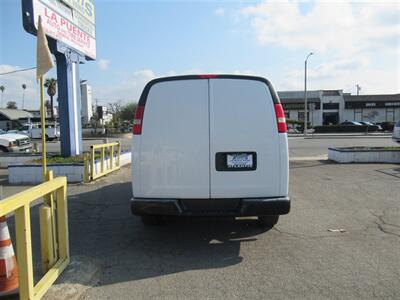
[(69, 99), (43, 125)]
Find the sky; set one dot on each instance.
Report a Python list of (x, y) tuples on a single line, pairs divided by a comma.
[(353, 43)]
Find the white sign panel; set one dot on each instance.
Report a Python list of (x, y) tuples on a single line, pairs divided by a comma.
[(69, 21)]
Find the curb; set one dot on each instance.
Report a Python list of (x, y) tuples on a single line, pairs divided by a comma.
[(304, 158), (79, 276), (347, 136)]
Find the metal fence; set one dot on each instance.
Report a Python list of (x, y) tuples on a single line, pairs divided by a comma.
[(101, 160), (53, 232)]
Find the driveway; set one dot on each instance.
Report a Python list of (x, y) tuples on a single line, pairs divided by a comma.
[(225, 259)]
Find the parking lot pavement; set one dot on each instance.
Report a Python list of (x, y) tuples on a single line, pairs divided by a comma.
[(222, 258)]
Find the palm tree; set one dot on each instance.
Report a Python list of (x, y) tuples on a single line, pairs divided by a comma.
[(23, 94), (2, 88), (51, 85)]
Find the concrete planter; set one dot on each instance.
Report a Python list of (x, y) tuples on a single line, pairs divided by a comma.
[(32, 173), (10, 158), (364, 155)]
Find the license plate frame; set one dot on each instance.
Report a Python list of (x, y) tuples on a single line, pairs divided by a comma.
[(236, 161)]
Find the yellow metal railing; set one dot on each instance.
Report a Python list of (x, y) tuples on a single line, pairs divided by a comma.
[(54, 235), (110, 157)]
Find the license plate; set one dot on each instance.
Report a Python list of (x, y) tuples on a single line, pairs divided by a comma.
[(239, 161)]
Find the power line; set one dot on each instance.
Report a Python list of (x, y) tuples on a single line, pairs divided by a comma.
[(16, 71)]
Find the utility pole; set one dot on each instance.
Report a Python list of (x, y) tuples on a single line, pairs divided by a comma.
[(358, 87), (23, 94), (305, 93)]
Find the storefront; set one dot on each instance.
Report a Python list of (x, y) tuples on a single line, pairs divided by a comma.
[(373, 108), (330, 107)]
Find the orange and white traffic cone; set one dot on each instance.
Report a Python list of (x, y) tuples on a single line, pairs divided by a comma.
[(8, 264)]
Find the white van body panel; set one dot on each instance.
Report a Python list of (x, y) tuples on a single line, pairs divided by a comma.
[(210, 145), (242, 119), (174, 144), (284, 164)]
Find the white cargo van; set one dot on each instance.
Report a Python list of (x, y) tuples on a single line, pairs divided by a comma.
[(210, 145)]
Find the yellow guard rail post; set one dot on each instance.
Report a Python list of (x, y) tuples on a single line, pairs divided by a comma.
[(114, 158), (20, 204)]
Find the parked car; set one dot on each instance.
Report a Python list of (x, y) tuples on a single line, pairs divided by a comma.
[(396, 133), (370, 124), (346, 123), (34, 131), (11, 142), (224, 150)]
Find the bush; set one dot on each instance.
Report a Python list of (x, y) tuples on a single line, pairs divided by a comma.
[(299, 125), (344, 128), (388, 126)]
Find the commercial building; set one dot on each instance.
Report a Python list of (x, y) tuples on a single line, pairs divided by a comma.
[(86, 99), (333, 106), (104, 115), (12, 118)]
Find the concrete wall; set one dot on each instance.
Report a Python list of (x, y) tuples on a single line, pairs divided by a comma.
[(7, 159), (363, 156), (32, 174)]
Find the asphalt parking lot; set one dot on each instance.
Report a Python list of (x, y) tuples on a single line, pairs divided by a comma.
[(115, 257), (222, 258)]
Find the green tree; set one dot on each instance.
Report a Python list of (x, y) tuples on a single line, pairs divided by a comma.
[(115, 108), (51, 84), (128, 111), (12, 105), (2, 88)]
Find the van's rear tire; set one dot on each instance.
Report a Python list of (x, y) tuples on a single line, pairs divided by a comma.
[(150, 220), (268, 221)]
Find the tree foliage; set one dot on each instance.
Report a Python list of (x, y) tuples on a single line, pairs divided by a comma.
[(128, 111), (121, 113), (12, 105), (51, 84)]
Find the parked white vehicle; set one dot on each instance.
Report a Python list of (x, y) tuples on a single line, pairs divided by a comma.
[(396, 133), (11, 142), (210, 145), (34, 131)]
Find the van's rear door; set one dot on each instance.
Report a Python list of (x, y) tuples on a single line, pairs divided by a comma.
[(174, 143), (244, 140)]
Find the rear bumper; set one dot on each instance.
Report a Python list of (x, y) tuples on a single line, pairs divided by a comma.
[(211, 207)]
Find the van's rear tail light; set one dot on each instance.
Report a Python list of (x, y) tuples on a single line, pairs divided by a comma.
[(138, 120), (280, 118)]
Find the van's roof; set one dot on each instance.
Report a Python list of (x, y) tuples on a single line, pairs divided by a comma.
[(145, 93)]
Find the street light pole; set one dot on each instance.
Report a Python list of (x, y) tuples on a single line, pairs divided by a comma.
[(305, 93)]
